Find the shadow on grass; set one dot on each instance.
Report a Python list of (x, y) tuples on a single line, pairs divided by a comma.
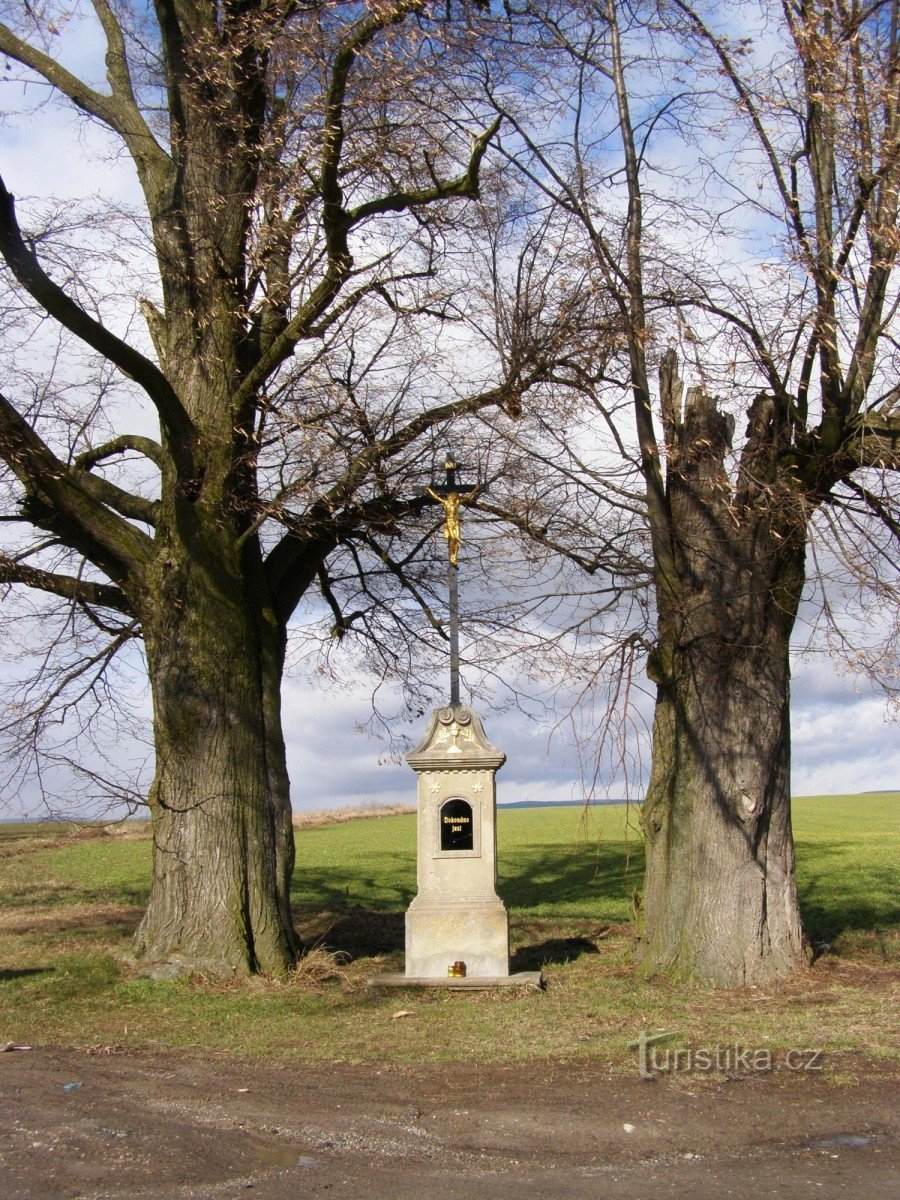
[(554, 950), (8, 973), (549, 874), (365, 933), (362, 912), (388, 883), (63, 894), (532, 876), (122, 919), (844, 886), (841, 891)]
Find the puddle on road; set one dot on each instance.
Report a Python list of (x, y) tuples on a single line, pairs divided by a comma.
[(838, 1140), (271, 1156)]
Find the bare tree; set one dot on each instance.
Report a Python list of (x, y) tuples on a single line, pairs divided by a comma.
[(739, 203), (305, 170)]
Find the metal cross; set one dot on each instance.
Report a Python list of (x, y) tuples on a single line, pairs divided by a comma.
[(448, 494)]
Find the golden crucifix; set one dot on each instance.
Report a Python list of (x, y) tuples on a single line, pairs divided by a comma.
[(452, 525), (449, 497)]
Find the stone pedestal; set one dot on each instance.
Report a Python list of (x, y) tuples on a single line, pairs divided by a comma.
[(457, 915)]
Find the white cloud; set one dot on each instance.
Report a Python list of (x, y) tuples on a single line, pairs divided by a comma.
[(842, 742), (842, 738)]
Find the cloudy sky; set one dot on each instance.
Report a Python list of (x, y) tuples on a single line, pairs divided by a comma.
[(843, 741)]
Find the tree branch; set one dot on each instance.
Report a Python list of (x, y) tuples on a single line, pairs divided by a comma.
[(397, 571), (465, 185), (506, 394), (651, 468), (118, 111), (291, 566), (110, 542), (359, 36), (337, 221), (82, 591), (126, 503), (117, 71), (25, 267), (292, 563), (874, 505), (874, 443), (120, 445), (788, 198)]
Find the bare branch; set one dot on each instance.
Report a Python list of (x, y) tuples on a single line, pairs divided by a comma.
[(120, 445), (465, 185), (86, 523), (118, 111), (24, 265), (83, 591), (873, 503)]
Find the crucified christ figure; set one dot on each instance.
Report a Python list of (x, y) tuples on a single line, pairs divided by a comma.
[(452, 528)]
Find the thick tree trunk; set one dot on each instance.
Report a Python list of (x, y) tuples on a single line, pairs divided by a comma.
[(720, 898), (223, 847)]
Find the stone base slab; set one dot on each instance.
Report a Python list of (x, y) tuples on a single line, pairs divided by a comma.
[(443, 931), (530, 979)]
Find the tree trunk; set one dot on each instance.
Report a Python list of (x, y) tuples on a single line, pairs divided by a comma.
[(223, 849), (720, 899)]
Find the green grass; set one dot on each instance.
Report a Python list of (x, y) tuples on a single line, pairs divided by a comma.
[(552, 862), (565, 863), (68, 908)]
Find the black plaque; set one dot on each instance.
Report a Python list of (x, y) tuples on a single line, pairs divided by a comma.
[(456, 825)]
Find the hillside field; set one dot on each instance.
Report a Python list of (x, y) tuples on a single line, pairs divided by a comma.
[(70, 899)]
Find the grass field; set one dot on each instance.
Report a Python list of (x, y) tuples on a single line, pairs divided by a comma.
[(69, 903)]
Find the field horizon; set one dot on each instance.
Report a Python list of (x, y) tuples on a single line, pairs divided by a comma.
[(377, 808)]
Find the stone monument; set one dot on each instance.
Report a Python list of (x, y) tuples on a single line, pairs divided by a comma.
[(457, 916), (457, 928)]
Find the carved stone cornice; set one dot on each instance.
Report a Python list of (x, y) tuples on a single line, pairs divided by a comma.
[(455, 740)]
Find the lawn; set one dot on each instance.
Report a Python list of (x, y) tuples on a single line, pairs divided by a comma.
[(69, 903)]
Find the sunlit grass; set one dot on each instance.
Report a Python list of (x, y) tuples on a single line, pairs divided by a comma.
[(67, 912)]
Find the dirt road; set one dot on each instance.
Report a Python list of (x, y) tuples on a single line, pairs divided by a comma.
[(161, 1126)]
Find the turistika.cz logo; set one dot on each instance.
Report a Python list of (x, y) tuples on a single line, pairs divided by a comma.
[(655, 1059)]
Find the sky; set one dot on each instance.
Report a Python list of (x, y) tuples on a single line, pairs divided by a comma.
[(843, 741)]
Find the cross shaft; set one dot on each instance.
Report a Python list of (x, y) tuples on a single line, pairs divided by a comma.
[(448, 494)]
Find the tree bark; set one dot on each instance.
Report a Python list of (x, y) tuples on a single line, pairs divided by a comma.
[(718, 802), (717, 808), (223, 850)]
